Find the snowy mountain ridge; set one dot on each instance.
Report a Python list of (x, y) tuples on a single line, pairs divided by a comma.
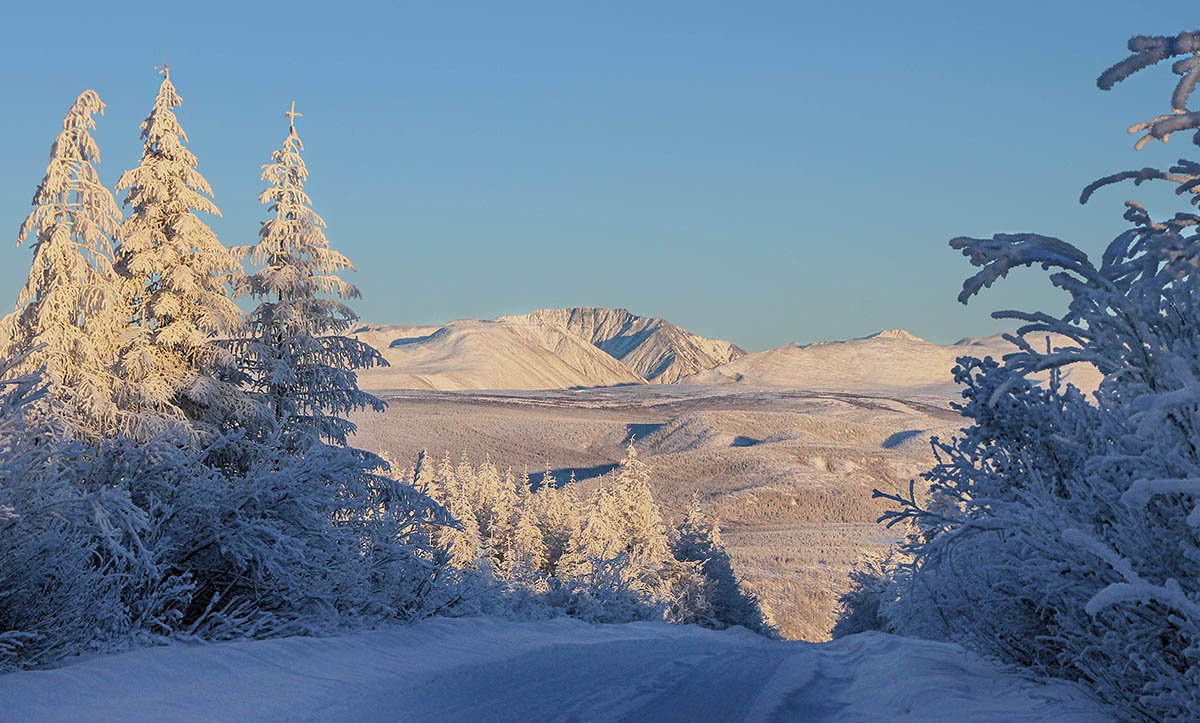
[(653, 348), (895, 334), (474, 354), (545, 349), (597, 347)]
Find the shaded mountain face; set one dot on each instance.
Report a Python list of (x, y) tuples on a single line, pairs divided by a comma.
[(652, 348)]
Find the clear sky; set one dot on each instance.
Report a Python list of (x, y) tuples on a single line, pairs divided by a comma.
[(764, 172)]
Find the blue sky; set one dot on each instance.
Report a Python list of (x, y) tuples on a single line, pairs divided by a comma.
[(762, 172)]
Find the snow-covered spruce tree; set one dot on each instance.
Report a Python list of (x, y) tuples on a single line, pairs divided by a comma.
[(618, 557), (697, 539), (68, 319), (300, 363), (560, 517), (525, 556), (325, 537), (176, 272), (1061, 532), (503, 519), (463, 541)]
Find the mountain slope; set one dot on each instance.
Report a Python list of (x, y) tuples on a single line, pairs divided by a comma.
[(653, 348), (887, 361), (472, 354), (471, 669)]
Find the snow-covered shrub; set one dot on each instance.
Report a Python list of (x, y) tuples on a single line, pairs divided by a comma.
[(871, 580), (74, 574), (299, 544), (1062, 532)]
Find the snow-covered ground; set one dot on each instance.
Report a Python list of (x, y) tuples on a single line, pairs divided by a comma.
[(481, 669), (789, 474)]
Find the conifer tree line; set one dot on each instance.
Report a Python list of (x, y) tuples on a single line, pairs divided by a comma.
[(170, 466), (607, 557)]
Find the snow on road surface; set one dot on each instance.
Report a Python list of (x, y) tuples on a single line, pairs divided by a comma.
[(482, 669)]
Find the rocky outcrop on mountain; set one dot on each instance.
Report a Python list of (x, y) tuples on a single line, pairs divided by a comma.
[(652, 348)]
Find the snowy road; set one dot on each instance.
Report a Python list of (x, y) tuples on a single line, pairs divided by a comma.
[(491, 670)]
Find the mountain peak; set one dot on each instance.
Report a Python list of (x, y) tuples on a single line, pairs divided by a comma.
[(544, 349), (894, 334), (653, 348)]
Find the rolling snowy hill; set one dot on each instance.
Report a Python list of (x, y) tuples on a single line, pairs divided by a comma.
[(475, 669), (471, 354), (655, 349), (884, 362)]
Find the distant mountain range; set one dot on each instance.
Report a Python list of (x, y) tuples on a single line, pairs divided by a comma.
[(592, 347)]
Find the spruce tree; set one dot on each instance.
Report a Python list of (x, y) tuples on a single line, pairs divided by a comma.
[(462, 543), (502, 517), (527, 554), (644, 532), (597, 539), (175, 274), (300, 363), (468, 484), (447, 481), (697, 539), (67, 318)]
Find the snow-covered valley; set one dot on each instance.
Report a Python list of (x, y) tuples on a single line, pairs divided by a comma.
[(789, 474), (476, 669), (784, 446)]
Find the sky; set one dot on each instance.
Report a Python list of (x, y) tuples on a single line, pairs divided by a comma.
[(762, 172)]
